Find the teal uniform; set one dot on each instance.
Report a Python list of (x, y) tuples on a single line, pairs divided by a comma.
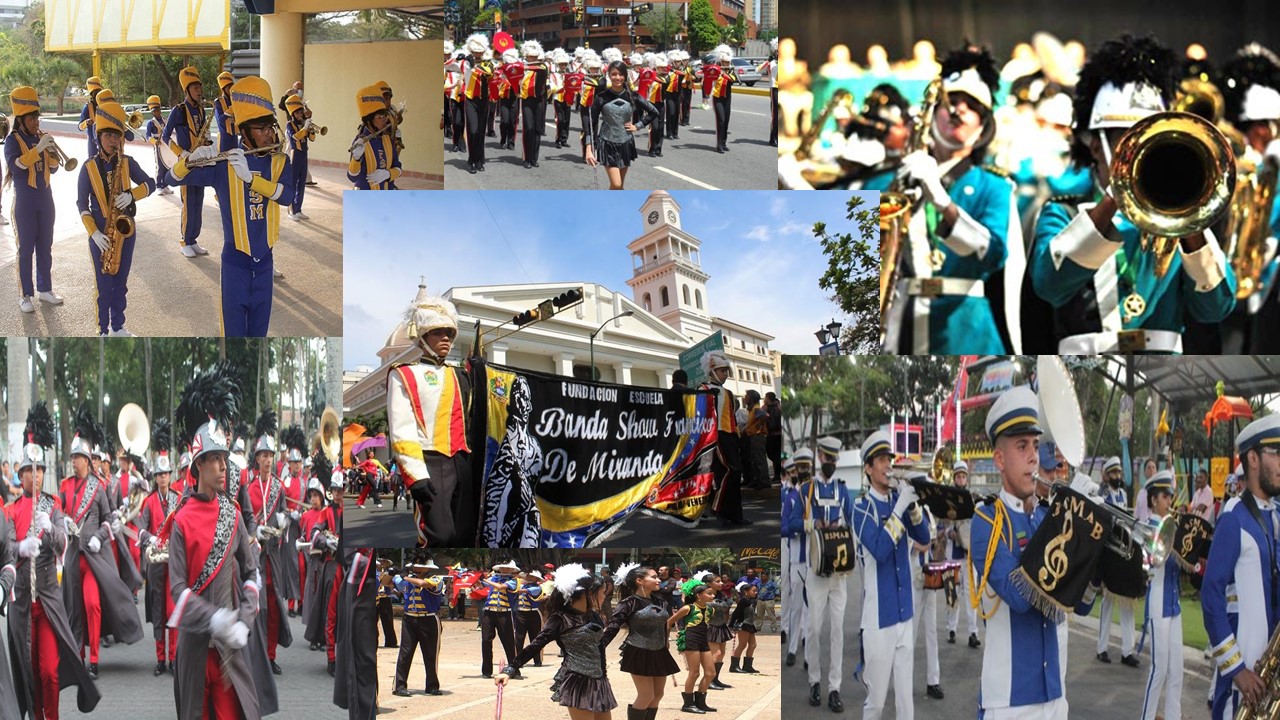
[(963, 324)]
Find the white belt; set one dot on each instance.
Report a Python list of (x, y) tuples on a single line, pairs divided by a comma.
[(937, 287), (1125, 341)]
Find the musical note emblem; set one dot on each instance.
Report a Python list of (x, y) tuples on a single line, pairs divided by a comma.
[(1055, 558)]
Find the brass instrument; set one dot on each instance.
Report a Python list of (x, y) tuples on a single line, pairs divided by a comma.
[(135, 120), (390, 127), (65, 161), (271, 531), (1268, 670), (158, 553), (119, 222), (264, 150), (311, 548), (1201, 97), (896, 207), (1172, 175), (841, 98), (321, 130), (329, 438), (1245, 237)]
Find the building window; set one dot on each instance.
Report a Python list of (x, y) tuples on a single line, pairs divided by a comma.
[(648, 303), (743, 343), (666, 298), (686, 295), (583, 372), (697, 295)]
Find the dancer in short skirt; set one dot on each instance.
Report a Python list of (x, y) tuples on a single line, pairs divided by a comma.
[(645, 652)]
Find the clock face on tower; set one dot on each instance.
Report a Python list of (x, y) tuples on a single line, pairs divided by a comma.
[(653, 217), (671, 216)]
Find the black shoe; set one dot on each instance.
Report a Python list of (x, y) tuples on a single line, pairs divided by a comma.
[(471, 168), (791, 659), (535, 163), (160, 668), (815, 695), (315, 646), (516, 675), (833, 702), (106, 642), (537, 663), (724, 148), (659, 153), (401, 692), (487, 676), (720, 151), (390, 645), (171, 669), (93, 671), (740, 521), (332, 668), (312, 183), (689, 705), (491, 134), (480, 167), (934, 691), (293, 613), (974, 641), (951, 637), (1130, 660), (1104, 657), (275, 669), (527, 164)]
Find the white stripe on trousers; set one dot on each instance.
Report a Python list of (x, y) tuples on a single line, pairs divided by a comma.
[(926, 607), (796, 607), (827, 599), (889, 653)]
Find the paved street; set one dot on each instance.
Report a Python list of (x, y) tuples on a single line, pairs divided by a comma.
[(378, 526), (688, 163), (129, 690), (169, 294), (1094, 690), (467, 695)]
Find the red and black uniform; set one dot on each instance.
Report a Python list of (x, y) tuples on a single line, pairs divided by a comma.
[(476, 75), (266, 502), (156, 509), (671, 89), (586, 97), (509, 104), (718, 83), (322, 576), (652, 88), (533, 109)]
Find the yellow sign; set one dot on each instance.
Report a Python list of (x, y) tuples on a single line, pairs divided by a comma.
[(187, 26), (1219, 468)]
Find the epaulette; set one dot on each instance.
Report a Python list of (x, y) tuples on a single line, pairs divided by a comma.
[(1068, 199), (996, 170)]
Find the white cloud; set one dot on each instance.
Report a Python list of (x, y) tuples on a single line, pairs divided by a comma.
[(777, 206), (758, 232)]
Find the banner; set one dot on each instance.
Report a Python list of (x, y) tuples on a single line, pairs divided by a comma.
[(567, 461)]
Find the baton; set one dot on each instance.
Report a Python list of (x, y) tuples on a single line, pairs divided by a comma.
[(497, 711)]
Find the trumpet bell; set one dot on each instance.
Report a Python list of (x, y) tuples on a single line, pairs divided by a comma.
[(135, 120), (329, 437), (324, 130), (69, 164)]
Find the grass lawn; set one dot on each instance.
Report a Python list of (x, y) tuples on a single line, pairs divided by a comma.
[(1193, 634)]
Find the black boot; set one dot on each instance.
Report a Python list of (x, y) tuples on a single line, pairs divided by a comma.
[(934, 691), (276, 668), (160, 667), (747, 665), (650, 714), (791, 659), (93, 671), (634, 714), (833, 702), (716, 684), (815, 695), (689, 705), (700, 699), (733, 665)]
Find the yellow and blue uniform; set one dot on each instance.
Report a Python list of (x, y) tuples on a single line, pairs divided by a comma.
[(420, 629), (298, 141), (228, 138), (180, 131), (86, 126), (93, 201), (33, 213), (380, 153), (497, 618), (250, 228), (152, 132)]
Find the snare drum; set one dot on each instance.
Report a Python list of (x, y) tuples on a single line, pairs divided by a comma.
[(936, 574)]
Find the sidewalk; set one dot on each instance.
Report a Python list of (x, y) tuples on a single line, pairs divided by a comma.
[(169, 294)]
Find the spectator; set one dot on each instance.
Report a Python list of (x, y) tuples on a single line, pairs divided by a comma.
[(773, 443), (750, 577), (679, 379), (765, 610), (1202, 500), (1140, 509)]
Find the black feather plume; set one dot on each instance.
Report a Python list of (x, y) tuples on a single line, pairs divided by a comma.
[(322, 468), (40, 425), (212, 393), (86, 426), (978, 58), (265, 424), (1253, 65), (105, 440), (162, 434), (242, 429), (294, 438), (1119, 61)]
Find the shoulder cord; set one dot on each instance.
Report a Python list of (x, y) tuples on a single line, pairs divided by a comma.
[(997, 530)]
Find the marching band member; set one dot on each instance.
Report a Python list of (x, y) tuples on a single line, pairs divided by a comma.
[(925, 604), (432, 454), (301, 131), (498, 617), (31, 157), (646, 654), (672, 87), (355, 688), (508, 99), (1163, 613), (771, 67), (105, 188), (885, 521), (454, 115), (718, 632), (251, 187), (375, 158), (476, 72), (184, 132), (266, 502), (686, 91), (562, 94), (574, 622), (660, 67), (154, 129), (795, 611), (41, 641), (533, 101), (156, 509), (726, 464), (396, 114), (213, 576), (719, 85), (529, 610), (743, 621), (420, 627), (1087, 261), (323, 574), (1243, 556), (222, 114), (1115, 496), (591, 79), (969, 226), (957, 535), (337, 492), (93, 86), (496, 83), (294, 481)]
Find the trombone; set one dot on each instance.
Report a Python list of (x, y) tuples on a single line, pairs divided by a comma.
[(64, 161)]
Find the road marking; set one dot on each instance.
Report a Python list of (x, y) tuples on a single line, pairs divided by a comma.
[(686, 178), (770, 701)]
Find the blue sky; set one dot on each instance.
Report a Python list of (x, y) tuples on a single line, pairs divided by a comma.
[(758, 248)]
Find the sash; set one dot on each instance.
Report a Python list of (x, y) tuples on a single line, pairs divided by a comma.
[(223, 530), (86, 498)]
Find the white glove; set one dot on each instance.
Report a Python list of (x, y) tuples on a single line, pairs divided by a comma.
[(1273, 150), (237, 636), (94, 544), (295, 515), (237, 161), (357, 150), (808, 526), (41, 521), (116, 527), (152, 540), (204, 152), (261, 533), (45, 142), (123, 200), (221, 623), (906, 496), (1084, 485), (380, 175), (68, 525), (308, 124), (28, 548), (100, 240), (920, 167), (280, 519)]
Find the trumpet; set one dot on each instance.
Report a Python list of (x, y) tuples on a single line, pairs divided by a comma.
[(264, 150), (135, 120), (158, 554), (64, 161), (271, 531), (321, 130)]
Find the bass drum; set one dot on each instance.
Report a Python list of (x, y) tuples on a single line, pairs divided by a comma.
[(831, 550)]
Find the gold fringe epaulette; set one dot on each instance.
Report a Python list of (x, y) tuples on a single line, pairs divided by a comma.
[(996, 170)]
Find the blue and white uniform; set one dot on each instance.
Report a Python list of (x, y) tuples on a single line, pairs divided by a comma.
[(1118, 498), (925, 606), (795, 607), (958, 549), (1164, 624)]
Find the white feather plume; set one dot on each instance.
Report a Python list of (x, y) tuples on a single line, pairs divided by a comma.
[(567, 577), (620, 577)]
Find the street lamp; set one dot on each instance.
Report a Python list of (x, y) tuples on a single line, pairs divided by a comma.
[(823, 335), (834, 329), (592, 343)]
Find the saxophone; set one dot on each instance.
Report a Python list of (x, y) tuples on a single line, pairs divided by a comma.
[(1247, 225), (1268, 669), (119, 222), (827, 174)]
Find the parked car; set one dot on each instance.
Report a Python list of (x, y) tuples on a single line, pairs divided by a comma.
[(747, 71)]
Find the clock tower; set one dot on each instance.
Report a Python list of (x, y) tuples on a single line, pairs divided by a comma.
[(667, 277)]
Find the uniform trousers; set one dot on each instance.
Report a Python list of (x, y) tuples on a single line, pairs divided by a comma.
[(475, 109), (889, 653), (247, 288), (92, 608), (795, 606), (419, 632), (498, 622), (192, 212), (1053, 710), (33, 216), (962, 602), (111, 290), (827, 599), (44, 658), (926, 608), (1126, 625), (1166, 668)]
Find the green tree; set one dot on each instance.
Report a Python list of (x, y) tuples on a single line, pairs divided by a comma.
[(735, 33), (663, 23), (704, 31), (852, 276)]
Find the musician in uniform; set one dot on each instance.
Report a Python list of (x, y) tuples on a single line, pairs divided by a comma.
[(591, 83), (266, 501), (355, 688), (886, 521), (183, 134), (427, 430), (672, 88), (156, 509), (925, 602), (223, 115), (654, 92), (966, 225), (420, 630), (529, 610), (152, 132), (301, 131), (1243, 568), (957, 536), (686, 90), (454, 116), (375, 158), (106, 189), (719, 85), (1115, 496), (396, 114), (1087, 261), (497, 615), (251, 187), (563, 95), (797, 470), (771, 67), (475, 75), (533, 100), (507, 99), (726, 464), (322, 573), (824, 502), (93, 86), (1163, 612), (30, 157), (294, 481)]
